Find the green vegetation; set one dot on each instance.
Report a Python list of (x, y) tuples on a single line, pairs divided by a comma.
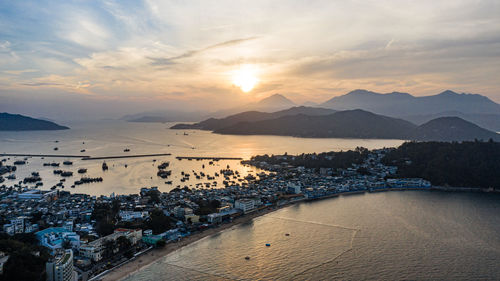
[(27, 259), (466, 164), (106, 217), (335, 160), (206, 207), (159, 222)]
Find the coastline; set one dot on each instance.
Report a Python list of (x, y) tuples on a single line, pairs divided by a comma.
[(142, 261)]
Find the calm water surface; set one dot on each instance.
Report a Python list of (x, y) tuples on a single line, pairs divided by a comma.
[(112, 137), (412, 235)]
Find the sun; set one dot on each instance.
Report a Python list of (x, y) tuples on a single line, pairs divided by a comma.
[(245, 77)]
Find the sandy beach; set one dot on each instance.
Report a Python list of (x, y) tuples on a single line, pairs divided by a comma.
[(150, 257)]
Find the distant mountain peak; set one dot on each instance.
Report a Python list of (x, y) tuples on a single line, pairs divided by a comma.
[(276, 100), (403, 104), (448, 93), (361, 92)]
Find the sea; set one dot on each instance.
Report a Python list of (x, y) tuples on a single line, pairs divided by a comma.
[(410, 235), (129, 175), (397, 235)]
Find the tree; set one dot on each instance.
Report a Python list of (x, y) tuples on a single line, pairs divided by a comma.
[(123, 243), (109, 248), (66, 244), (158, 222), (161, 243)]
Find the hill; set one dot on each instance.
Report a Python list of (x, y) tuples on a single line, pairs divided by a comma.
[(344, 124), (398, 104), (452, 129), (16, 122), (252, 116), (488, 121), (466, 164)]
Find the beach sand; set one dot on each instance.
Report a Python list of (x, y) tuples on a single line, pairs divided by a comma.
[(153, 255)]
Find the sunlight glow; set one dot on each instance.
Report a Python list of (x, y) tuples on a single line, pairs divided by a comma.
[(245, 78)]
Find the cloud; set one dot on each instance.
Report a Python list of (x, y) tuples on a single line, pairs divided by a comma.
[(171, 60), (19, 72), (42, 84)]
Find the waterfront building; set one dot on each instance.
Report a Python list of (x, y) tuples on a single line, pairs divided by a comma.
[(152, 239), (60, 267), (94, 250), (36, 194), (246, 205)]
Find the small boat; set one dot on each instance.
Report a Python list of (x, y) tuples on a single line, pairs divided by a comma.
[(268, 245), (68, 163)]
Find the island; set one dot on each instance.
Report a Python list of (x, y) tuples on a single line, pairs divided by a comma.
[(17, 122)]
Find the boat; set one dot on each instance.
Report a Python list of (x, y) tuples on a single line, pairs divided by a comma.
[(268, 245), (68, 163)]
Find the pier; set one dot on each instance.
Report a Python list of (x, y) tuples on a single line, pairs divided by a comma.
[(207, 158), (126, 156), (84, 157), (43, 155)]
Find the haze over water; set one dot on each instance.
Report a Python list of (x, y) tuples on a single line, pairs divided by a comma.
[(411, 235), (109, 137)]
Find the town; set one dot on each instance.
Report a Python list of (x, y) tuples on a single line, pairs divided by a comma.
[(84, 236)]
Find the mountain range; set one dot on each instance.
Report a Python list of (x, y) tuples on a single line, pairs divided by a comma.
[(213, 124), (324, 123), (471, 107), (16, 122), (474, 108)]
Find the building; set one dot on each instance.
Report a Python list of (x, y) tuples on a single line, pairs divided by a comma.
[(36, 194), (60, 268), (3, 260), (246, 205), (194, 218), (152, 239), (54, 237), (94, 250), (294, 188), (18, 224), (133, 215)]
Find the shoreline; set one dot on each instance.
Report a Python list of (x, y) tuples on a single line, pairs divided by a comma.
[(147, 258), (144, 260)]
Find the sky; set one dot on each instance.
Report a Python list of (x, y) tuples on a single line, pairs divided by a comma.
[(104, 59)]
